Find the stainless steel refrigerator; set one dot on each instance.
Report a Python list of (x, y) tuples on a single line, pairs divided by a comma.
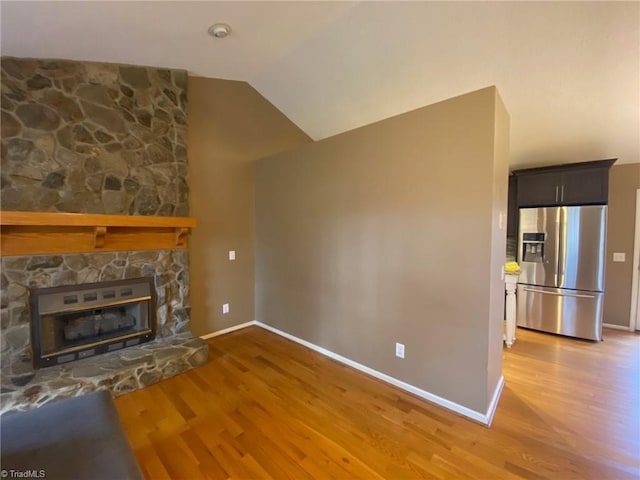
[(561, 251)]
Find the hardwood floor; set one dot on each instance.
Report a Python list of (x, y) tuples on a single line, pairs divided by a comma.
[(265, 407)]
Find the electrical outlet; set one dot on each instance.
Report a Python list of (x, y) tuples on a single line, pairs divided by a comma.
[(232, 254), (619, 257), (400, 350), (225, 308)]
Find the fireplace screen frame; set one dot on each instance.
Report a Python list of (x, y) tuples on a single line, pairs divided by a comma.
[(91, 298)]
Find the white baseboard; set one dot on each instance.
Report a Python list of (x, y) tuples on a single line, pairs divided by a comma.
[(617, 327), (483, 418), (227, 330)]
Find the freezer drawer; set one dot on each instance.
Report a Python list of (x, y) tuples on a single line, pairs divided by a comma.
[(574, 313)]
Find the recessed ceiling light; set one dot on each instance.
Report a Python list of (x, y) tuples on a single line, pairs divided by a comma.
[(219, 30)]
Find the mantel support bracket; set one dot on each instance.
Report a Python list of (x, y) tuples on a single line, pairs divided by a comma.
[(99, 234), (181, 236)]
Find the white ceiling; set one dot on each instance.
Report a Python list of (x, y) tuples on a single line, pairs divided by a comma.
[(568, 72)]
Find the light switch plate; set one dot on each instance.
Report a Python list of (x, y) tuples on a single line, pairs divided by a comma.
[(619, 257), (232, 254), (225, 308)]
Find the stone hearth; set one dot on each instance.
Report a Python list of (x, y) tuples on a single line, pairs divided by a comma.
[(120, 372)]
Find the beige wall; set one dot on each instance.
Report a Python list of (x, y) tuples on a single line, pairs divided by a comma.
[(389, 233), (498, 244), (230, 126), (624, 180)]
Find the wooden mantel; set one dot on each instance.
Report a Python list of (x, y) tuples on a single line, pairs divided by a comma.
[(44, 233)]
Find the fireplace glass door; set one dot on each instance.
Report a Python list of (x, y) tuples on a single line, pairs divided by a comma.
[(70, 323)]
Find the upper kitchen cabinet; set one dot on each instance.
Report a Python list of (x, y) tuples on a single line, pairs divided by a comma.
[(584, 183), (512, 208)]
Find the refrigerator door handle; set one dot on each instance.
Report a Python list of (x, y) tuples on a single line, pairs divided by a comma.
[(558, 294), (562, 246), (556, 193), (556, 226)]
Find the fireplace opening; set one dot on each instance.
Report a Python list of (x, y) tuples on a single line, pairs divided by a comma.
[(79, 321)]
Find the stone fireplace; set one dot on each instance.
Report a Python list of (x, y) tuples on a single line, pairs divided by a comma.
[(93, 138)]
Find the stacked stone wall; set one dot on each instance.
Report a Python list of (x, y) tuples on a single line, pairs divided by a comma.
[(93, 138)]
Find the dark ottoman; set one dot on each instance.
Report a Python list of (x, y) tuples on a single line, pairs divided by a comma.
[(77, 438)]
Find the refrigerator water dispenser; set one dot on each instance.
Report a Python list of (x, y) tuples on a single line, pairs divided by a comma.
[(533, 247)]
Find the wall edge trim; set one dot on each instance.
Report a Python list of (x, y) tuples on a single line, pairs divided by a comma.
[(634, 323), (482, 418), (493, 406), (233, 328)]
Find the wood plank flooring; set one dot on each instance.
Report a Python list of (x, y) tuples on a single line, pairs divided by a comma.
[(265, 407)]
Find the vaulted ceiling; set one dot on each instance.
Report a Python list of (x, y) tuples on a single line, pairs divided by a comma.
[(568, 72)]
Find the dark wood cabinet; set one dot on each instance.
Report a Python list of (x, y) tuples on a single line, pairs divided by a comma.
[(512, 208), (585, 186), (570, 184), (538, 189)]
